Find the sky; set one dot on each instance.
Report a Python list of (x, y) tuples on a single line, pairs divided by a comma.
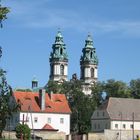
[(29, 32)]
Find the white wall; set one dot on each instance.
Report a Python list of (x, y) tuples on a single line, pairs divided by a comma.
[(43, 119), (127, 124)]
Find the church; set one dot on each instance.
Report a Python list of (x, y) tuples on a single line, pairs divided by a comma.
[(88, 63)]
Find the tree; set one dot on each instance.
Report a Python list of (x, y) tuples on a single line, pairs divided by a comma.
[(23, 131), (97, 93), (53, 86), (6, 98), (81, 105), (135, 88), (3, 14), (116, 89)]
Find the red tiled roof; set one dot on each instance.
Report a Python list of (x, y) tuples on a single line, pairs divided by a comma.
[(49, 127), (30, 101)]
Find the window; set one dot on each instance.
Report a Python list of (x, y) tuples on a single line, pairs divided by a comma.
[(62, 69), (27, 119), (91, 54), (92, 72), (49, 120), (52, 69), (98, 126), (16, 119), (106, 125), (116, 126), (97, 113), (61, 51), (82, 72), (35, 119), (61, 120), (124, 126), (95, 125), (131, 126)]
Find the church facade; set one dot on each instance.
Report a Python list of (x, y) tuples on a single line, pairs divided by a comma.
[(88, 63)]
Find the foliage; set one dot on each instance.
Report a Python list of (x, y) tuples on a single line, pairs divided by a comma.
[(116, 89), (78, 102), (6, 98), (96, 94), (53, 86), (23, 131), (3, 13), (135, 88)]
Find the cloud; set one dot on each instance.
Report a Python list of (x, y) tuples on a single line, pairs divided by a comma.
[(37, 14)]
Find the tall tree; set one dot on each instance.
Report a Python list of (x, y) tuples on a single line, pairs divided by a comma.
[(81, 105), (7, 106)]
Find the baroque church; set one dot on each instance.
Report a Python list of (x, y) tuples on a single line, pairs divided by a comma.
[(88, 63)]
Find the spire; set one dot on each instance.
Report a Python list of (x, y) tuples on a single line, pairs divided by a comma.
[(59, 38), (59, 49), (89, 52), (89, 41)]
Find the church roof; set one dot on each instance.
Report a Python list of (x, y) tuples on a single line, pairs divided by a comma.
[(54, 103), (122, 108)]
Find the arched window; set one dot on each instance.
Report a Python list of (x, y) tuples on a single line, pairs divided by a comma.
[(52, 69), (61, 51), (92, 72), (82, 73), (91, 54), (62, 69)]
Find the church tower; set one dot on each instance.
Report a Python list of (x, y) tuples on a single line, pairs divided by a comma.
[(88, 65), (58, 60)]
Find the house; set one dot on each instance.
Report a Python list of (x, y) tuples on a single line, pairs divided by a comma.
[(117, 114), (42, 111)]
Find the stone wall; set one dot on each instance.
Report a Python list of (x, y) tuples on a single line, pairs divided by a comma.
[(123, 134), (114, 135), (45, 135)]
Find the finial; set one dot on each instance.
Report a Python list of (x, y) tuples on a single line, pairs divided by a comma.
[(59, 33), (89, 36)]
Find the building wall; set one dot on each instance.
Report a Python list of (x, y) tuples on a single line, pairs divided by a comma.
[(38, 120), (100, 121), (124, 125)]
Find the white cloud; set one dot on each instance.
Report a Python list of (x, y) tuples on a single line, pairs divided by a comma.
[(36, 14)]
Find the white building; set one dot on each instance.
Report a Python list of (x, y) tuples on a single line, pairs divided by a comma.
[(42, 111), (117, 114)]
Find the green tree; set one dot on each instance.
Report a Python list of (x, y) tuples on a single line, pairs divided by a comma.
[(97, 91), (53, 86), (116, 89), (81, 106), (7, 107), (3, 14), (23, 131), (135, 88)]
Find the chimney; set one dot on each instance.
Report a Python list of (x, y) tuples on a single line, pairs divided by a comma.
[(42, 99)]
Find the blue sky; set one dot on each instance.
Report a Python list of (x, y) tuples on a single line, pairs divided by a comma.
[(29, 32)]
